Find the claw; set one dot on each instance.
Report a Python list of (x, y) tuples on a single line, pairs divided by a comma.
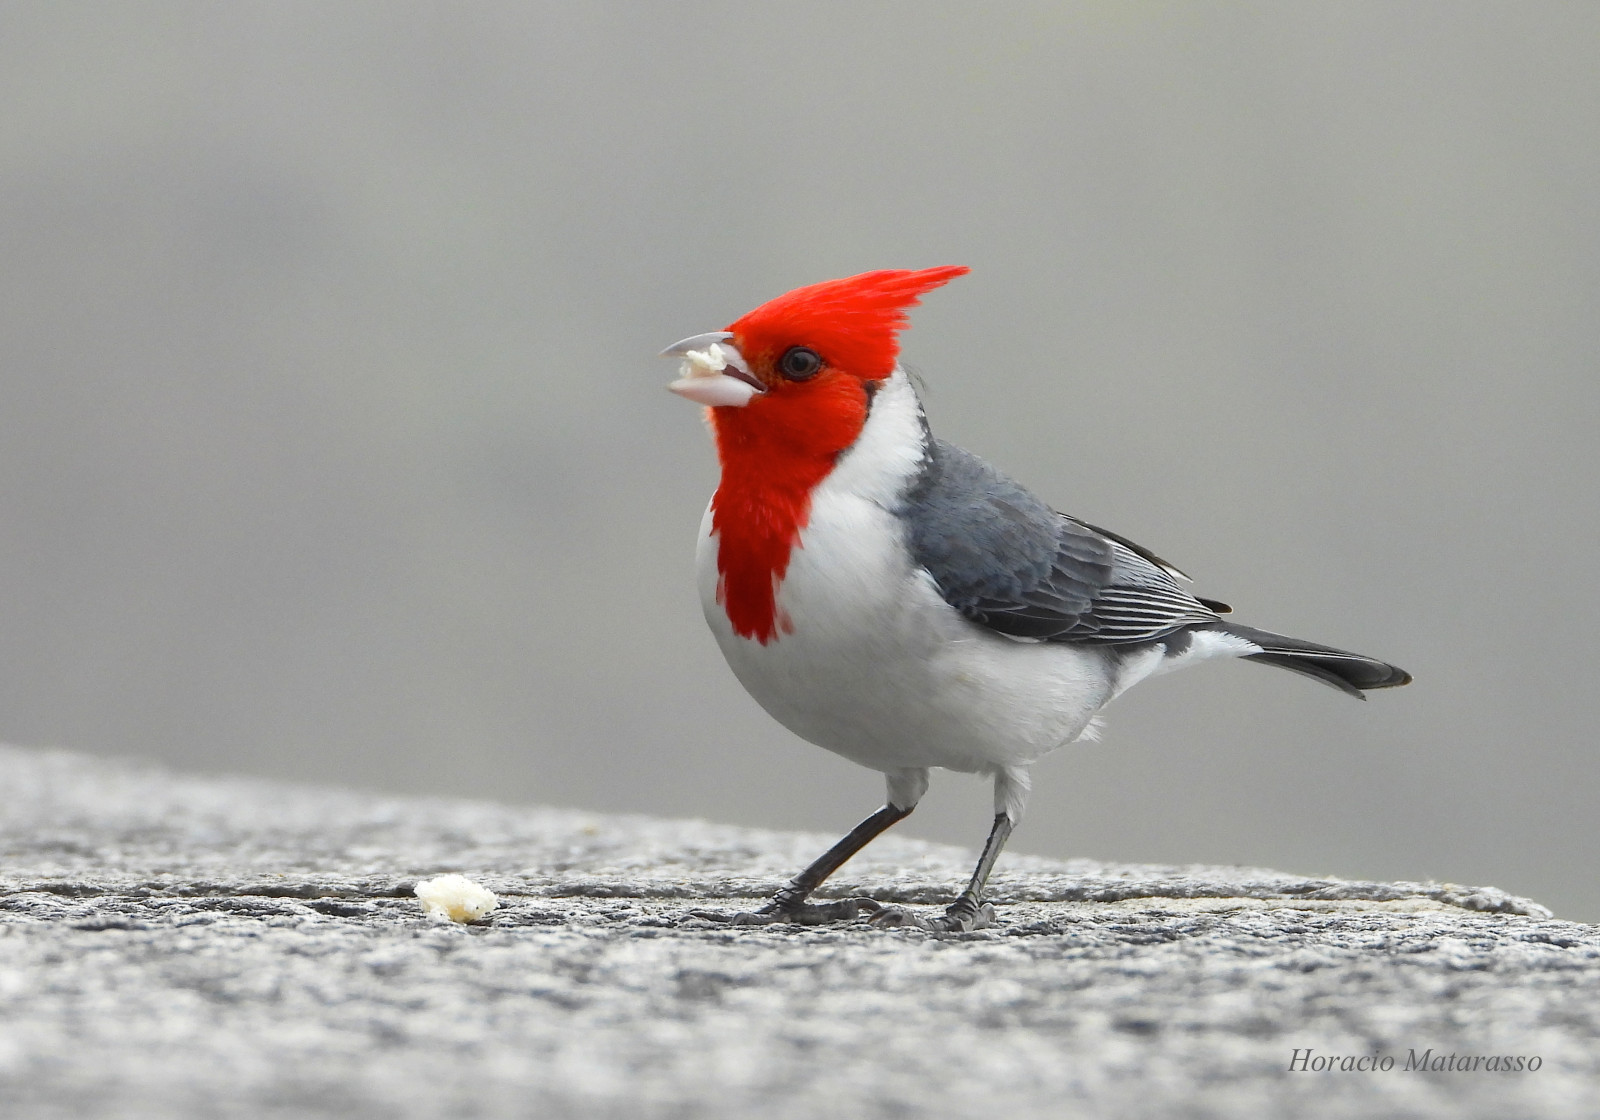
[(957, 919), (898, 917)]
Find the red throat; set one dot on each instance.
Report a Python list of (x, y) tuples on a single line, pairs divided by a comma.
[(777, 449), (771, 464)]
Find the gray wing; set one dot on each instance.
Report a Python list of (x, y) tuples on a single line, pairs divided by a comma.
[(1007, 561)]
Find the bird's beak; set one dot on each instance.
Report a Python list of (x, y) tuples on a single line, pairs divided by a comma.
[(713, 372)]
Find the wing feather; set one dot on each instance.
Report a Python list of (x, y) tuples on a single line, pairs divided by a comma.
[(1008, 562)]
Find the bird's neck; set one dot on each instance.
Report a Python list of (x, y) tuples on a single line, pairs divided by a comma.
[(774, 455), (771, 474)]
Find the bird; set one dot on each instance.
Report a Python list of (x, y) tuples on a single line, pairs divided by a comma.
[(895, 599)]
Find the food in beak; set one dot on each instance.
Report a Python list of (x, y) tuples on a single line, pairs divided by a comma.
[(715, 375)]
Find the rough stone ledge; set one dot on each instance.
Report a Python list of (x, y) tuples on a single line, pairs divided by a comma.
[(175, 946)]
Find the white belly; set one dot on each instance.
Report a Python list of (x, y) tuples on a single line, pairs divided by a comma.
[(879, 669)]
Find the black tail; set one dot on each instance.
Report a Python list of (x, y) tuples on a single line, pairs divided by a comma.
[(1337, 668)]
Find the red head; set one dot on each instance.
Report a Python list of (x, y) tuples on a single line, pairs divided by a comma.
[(787, 383), (853, 324)]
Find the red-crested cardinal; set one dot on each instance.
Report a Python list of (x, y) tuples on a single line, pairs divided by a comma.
[(897, 600)]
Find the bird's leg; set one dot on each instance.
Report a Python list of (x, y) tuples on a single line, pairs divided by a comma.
[(906, 788), (969, 911), (965, 910), (790, 905)]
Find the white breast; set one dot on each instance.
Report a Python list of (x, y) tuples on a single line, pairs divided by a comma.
[(878, 667)]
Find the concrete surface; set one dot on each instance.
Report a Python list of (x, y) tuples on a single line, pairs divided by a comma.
[(174, 946)]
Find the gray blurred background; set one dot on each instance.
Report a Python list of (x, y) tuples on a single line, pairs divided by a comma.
[(333, 447)]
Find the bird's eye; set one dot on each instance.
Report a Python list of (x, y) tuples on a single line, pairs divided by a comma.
[(800, 363)]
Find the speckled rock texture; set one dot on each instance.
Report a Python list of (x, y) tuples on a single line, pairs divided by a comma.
[(175, 947)]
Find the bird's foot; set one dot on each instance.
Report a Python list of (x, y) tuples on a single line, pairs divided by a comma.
[(795, 913), (961, 917)]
